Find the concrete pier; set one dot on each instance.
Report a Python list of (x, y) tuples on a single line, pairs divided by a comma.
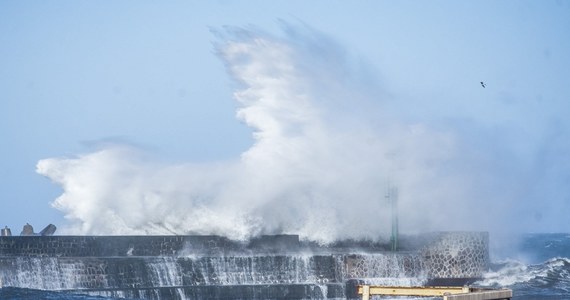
[(214, 267)]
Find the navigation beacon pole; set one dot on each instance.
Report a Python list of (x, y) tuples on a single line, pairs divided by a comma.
[(392, 197)]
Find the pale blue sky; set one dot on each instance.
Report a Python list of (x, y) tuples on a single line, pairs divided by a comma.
[(74, 73)]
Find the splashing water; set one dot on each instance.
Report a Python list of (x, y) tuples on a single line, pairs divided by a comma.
[(325, 143)]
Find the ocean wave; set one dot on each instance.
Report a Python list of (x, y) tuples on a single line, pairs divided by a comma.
[(506, 273), (552, 275)]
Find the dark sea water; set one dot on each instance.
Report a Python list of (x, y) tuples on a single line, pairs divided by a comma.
[(537, 267), (28, 294), (534, 266)]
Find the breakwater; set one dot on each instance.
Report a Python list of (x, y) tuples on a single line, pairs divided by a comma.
[(213, 267)]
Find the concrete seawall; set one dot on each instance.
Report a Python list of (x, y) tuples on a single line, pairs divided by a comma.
[(213, 267)]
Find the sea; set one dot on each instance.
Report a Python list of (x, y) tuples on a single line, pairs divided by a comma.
[(534, 266)]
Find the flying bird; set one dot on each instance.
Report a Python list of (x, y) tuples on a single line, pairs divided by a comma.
[(482, 84)]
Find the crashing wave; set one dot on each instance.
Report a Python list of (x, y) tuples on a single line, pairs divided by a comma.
[(549, 277)]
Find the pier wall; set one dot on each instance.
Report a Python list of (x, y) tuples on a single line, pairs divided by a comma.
[(201, 267)]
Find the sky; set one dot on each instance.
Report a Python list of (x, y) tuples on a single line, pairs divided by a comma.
[(257, 117)]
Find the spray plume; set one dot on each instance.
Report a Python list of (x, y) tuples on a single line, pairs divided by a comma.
[(325, 144)]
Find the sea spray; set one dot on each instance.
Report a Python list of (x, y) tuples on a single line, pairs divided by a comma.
[(323, 149), (326, 140)]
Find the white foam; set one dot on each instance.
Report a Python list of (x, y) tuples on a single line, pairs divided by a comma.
[(515, 272), (326, 139)]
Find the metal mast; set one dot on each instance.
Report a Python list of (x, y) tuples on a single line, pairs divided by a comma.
[(392, 197)]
